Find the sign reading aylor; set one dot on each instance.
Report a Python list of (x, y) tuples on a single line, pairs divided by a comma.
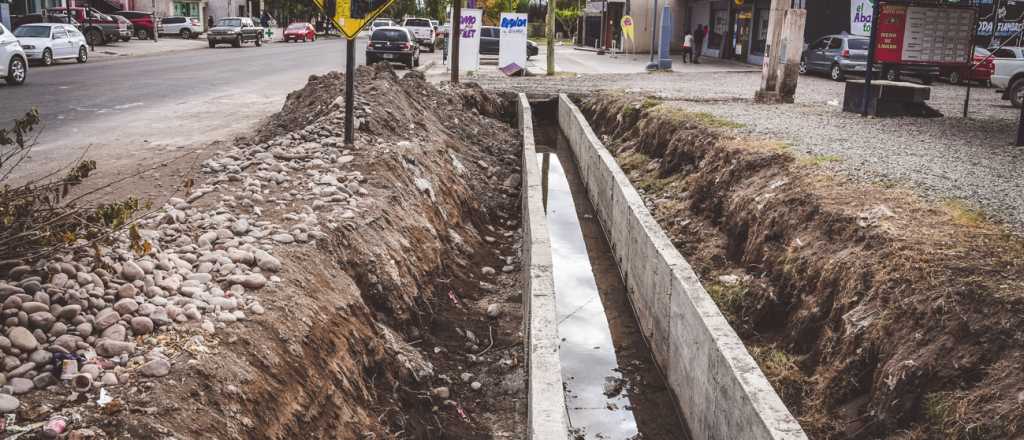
[(512, 44)]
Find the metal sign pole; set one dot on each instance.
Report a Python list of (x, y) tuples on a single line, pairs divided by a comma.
[(350, 73), (872, 42)]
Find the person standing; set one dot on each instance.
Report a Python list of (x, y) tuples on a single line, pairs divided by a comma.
[(698, 43), (209, 22), (687, 45)]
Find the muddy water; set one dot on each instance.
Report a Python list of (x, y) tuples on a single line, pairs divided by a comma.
[(613, 388)]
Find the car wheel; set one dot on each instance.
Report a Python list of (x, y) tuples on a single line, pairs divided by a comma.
[(47, 57), (954, 77), (416, 61), (212, 44), (259, 41), (141, 34), (803, 66), (186, 34), (83, 54), (1017, 93), (16, 71), (836, 73), (94, 37), (892, 74)]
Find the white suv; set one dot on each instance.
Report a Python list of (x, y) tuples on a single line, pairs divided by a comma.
[(13, 63), (187, 27), (421, 30)]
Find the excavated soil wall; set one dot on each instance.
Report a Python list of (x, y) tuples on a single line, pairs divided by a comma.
[(393, 325), (874, 314)]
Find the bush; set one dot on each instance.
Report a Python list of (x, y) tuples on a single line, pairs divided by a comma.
[(38, 216)]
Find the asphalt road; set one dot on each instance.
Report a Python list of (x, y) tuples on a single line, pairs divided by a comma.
[(140, 108)]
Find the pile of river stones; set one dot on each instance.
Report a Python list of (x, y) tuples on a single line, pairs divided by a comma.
[(206, 264)]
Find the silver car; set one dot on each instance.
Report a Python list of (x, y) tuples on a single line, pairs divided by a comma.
[(836, 55)]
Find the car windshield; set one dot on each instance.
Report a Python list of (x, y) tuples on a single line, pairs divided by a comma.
[(230, 22), (981, 52), (33, 32), (388, 35), (857, 43), (417, 22), (297, 26)]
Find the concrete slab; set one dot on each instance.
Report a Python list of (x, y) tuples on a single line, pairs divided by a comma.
[(546, 413)]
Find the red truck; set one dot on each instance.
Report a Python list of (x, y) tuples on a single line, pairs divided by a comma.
[(98, 28)]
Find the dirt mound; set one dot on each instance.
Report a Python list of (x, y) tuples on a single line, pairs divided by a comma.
[(381, 322), (873, 313)]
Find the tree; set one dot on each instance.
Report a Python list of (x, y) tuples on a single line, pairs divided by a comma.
[(568, 17), (549, 30)]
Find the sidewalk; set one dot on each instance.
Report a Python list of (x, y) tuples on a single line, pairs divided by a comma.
[(165, 44)]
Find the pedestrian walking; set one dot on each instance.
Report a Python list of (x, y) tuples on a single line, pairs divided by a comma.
[(698, 43), (687, 46), (265, 20), (209, 22)]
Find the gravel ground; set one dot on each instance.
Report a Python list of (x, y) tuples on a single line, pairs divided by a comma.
[(941, 158)]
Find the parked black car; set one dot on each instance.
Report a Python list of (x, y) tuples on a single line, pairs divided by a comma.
[(235, 31), (394, 45), (490, 38)]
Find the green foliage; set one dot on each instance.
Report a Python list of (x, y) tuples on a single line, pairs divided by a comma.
[(567, 17)]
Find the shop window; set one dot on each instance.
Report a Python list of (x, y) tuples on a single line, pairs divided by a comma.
[(186, 9), (719, 27), (760, 32)]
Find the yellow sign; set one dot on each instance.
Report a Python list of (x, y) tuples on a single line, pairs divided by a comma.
[(351, 16), (627, 27)]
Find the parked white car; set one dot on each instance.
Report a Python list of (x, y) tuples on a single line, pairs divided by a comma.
[(422, 31), (49, 42), (13, 62), (186, 27)]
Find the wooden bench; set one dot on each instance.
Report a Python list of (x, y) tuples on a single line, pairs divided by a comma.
[(889, 98)]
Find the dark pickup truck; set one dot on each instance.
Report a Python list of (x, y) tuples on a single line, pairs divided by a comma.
[(98, 28), (234, 31)]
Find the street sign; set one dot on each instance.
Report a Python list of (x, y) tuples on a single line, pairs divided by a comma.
[(351, 16)]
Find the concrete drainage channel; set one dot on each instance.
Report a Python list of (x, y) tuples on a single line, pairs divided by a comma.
[(588, 375)]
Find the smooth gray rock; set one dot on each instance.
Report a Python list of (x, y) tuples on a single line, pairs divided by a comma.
[(22, 339), (142, 325), (106, 318), (8, 403), (132, 272), (156, 368)]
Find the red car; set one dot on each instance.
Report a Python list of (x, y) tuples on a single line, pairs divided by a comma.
[(300, 31), (982, 72), (143, 22)]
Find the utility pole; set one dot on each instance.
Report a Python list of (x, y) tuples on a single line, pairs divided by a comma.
[(652, 66), (550, 31), (350, 73), (455, 36), (772, 54)]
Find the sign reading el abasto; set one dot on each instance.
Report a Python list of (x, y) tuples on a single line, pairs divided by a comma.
[(860, 16)]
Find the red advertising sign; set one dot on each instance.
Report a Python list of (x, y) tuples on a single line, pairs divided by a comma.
[(891, 22), (924, 35)]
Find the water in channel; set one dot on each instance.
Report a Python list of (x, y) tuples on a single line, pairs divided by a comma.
[(613, 389)]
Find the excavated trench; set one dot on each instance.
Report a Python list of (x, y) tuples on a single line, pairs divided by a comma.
[(873, 313), (613, 387)]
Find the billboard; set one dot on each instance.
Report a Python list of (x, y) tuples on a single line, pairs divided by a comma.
[(925, 35), (469, 39), (512, 42)]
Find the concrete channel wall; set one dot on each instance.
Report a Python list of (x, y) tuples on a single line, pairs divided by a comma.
[(546, 413), (720, 389)]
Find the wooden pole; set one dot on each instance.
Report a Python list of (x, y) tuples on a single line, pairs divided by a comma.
[(773, 52), (549, 28), (455, 36)]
